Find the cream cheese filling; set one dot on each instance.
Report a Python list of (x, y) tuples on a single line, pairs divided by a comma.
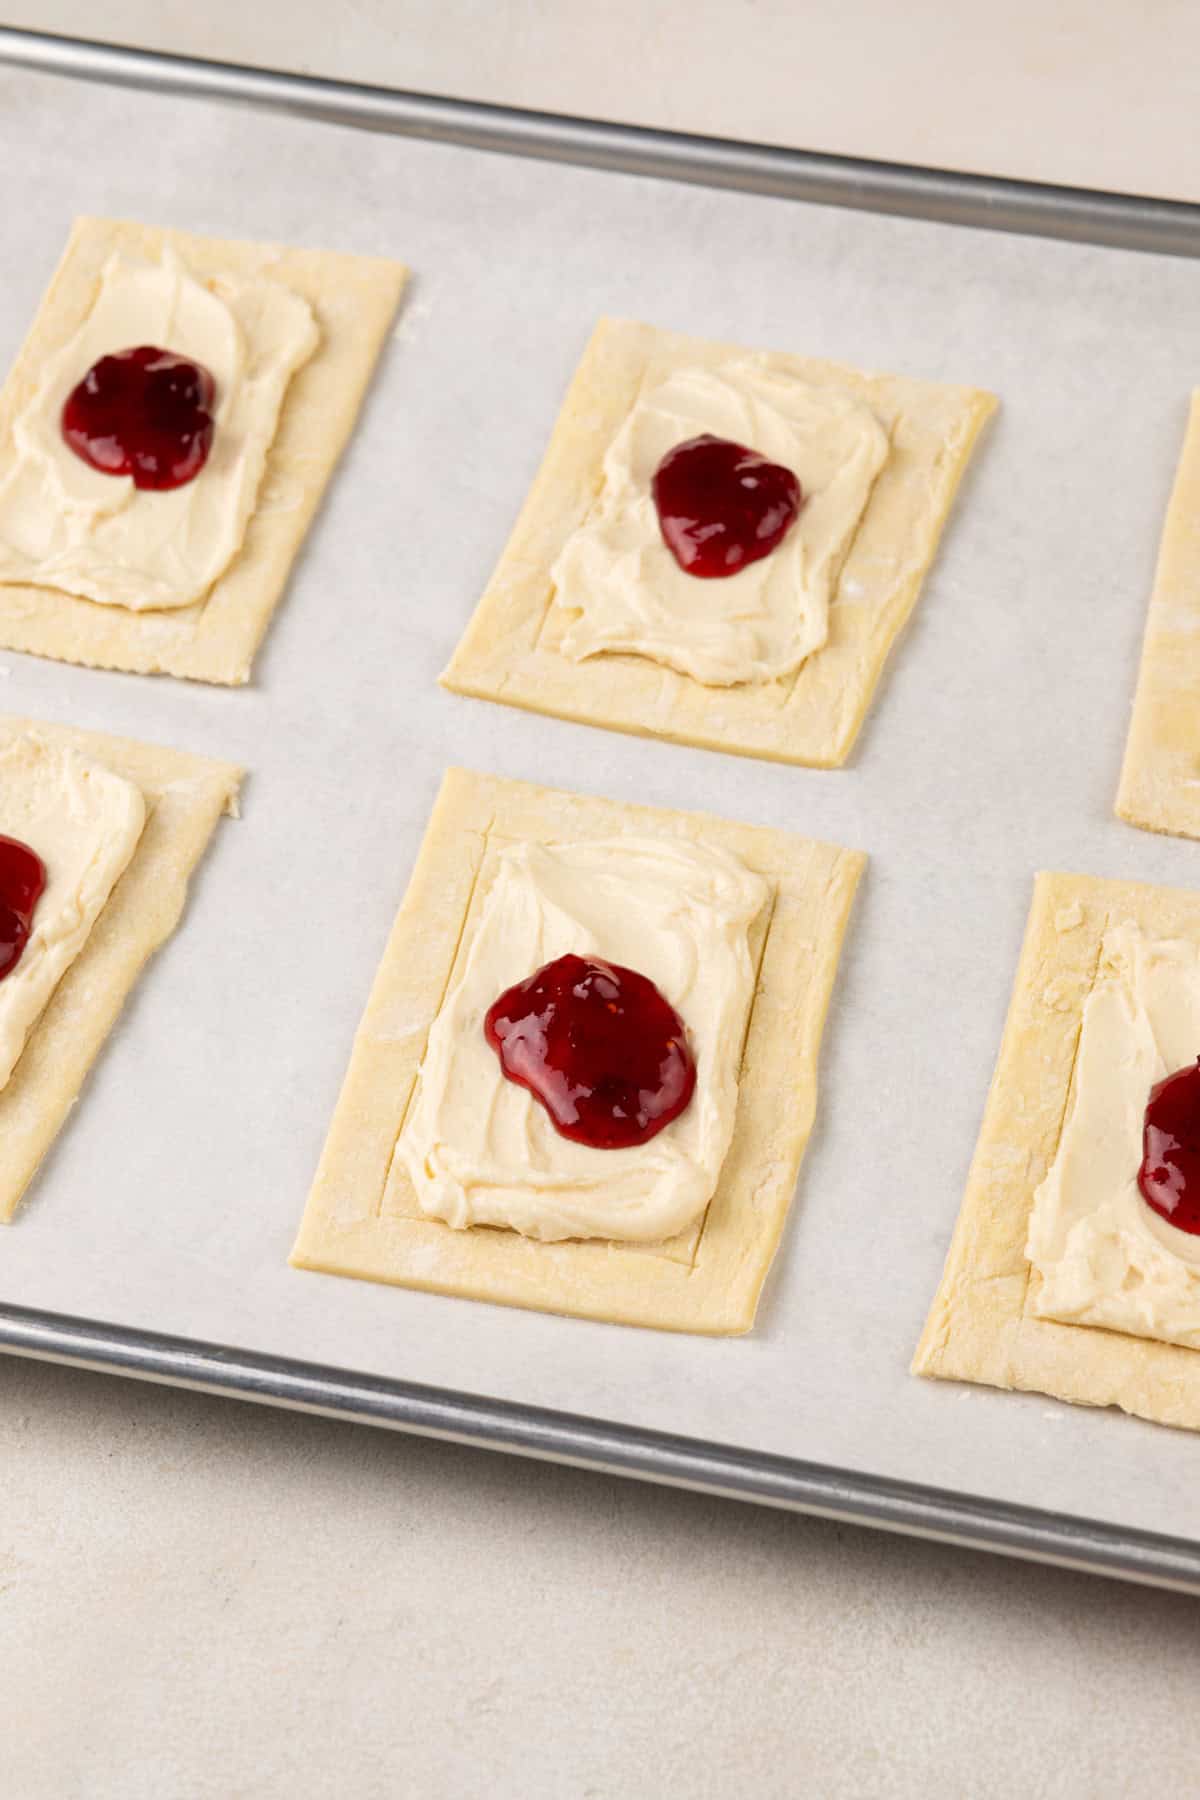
[(84, 822), (65, 525), (482, 1151), (629, 593), (1104, 1256)]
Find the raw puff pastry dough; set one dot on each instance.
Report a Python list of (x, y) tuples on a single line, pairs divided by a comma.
[(510, 649), (980, 1327), (353, 299), (362, 1218), (1160, 777), (185, 796)]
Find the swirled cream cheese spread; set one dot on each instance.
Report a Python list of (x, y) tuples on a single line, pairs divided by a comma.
[(65, 525), (84, 823), (631, 595), (1104, 1256), (479, 1149)]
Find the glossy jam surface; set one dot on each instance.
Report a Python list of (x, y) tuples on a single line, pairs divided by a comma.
[(721, 506), (1169, 1177), (22, 879), (599, 1046), (145, 413)]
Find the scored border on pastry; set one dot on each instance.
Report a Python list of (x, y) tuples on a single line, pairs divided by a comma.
[(981, 1327), (509, 650), (353, 299), (362, 1217), (1160, 774), (185, 796)]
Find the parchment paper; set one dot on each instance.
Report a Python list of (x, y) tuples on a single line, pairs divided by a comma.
[(172, 1197)]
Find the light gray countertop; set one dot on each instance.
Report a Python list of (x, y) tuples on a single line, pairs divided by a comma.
[(206, 1599), (1090, 92)]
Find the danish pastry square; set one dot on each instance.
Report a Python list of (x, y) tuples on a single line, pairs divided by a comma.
[(363, 1216), (203, 623), (166, 804), (887, 454), (1160, 775), (1059, 1278)]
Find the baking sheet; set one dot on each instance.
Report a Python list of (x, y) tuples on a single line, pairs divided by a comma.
[(171, 1199)]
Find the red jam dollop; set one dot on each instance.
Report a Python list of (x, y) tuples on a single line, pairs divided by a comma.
[(22, 880), (599, 1046), (145, 413), (1169, 1177), (721, 506)]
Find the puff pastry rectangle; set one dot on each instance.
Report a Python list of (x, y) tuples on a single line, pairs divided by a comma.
[(981, 1326), (510, 649), (353, 299), (362, 1218), (185, 796), (1160, 776)]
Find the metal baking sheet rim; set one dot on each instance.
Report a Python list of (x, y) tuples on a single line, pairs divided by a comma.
[(456, 1417), (1129, 222)]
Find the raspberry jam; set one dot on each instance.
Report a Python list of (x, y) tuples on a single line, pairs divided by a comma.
[(1169, 1177), (22, 879), (599, 1046), (145, 413), (721, 506)]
